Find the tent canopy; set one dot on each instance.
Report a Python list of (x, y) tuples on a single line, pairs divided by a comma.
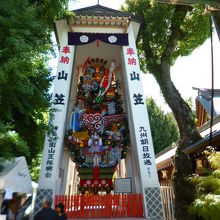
[(15, 175)]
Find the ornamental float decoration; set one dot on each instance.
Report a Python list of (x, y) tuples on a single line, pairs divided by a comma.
[(98, 125), (98, 128)]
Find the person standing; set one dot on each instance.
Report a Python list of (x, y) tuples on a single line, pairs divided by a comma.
[(60, 210), (47, 213), (12, 210), (6, 202), (22, 208)]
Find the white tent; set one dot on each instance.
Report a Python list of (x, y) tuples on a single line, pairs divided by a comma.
[(15, 175)]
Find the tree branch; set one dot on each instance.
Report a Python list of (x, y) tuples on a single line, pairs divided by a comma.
[(176, 33), (147, 50), (152, 67)]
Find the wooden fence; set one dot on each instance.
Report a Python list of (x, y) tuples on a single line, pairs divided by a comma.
[(102, 206), (168, 202)]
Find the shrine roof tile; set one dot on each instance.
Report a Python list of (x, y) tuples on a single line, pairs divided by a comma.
[(99, 10)]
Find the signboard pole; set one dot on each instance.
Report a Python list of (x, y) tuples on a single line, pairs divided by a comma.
[(141, 133)]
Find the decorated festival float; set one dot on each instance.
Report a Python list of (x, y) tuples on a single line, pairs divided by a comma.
[(97, 136), (101, 122)]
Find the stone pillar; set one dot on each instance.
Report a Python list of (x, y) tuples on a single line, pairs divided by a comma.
[(140, 131), (53, 146)]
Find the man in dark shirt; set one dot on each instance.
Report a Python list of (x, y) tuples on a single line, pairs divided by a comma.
[(47, 213)]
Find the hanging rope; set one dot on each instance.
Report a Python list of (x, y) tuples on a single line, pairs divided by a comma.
[(212, 91)]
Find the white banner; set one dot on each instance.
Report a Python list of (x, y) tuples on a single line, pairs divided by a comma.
[(54, 142), (53, 145), (141, 132)]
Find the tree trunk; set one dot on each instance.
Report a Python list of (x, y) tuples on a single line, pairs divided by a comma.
[(184, 166)]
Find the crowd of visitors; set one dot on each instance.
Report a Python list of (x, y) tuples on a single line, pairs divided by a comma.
[(13, 208)]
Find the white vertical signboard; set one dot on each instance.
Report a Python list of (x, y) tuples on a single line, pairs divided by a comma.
[(141, 128), (53, 145)]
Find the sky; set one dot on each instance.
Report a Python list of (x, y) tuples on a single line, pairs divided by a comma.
[(187, 72)]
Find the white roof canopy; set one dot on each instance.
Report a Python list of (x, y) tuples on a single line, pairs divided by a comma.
[(16, 176)]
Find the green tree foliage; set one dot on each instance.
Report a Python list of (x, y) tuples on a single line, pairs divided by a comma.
[(25, 78), (35, 167), (160, 22), (168, 32), (207, 202), (163, 128)]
